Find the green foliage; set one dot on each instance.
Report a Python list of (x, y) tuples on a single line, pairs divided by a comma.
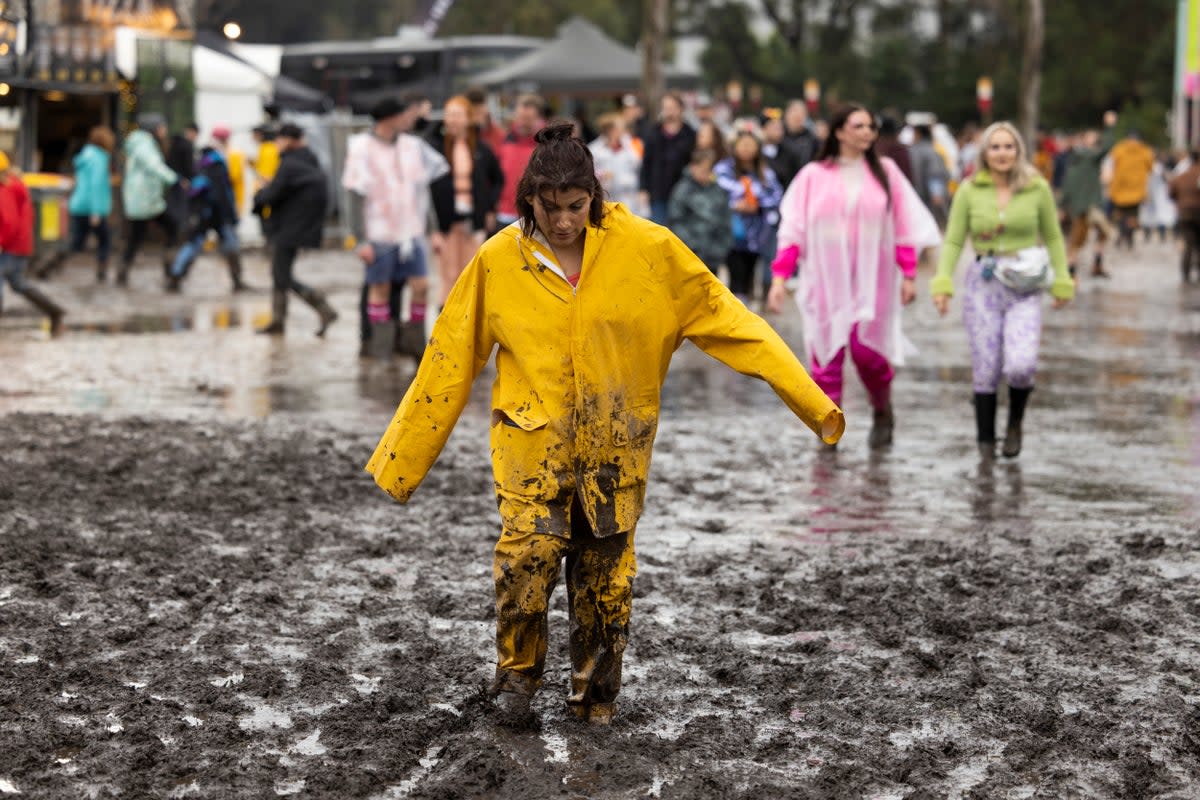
[(886, 55), (899, 54)]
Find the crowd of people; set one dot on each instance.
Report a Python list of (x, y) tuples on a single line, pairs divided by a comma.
[(842, 210)]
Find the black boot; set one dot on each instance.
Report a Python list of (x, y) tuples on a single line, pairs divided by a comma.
[(234, 260), (278, 313), (1017, 400), (321, 306), (382, 341), (123, 273), (882, 426), (50, 265), (411, 339), (985, 423), (1098, 267), (48, 307)]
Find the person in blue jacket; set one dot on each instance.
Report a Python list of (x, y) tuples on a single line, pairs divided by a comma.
[(211, 208), (90, 203)]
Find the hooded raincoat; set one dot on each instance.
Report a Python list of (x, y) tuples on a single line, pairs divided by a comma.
[(579, 371), (849, 252), (147, 176)]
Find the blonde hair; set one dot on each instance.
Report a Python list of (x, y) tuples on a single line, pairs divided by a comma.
[(1023, 171)]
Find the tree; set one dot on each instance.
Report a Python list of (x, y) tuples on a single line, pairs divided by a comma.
[(1031, 71)]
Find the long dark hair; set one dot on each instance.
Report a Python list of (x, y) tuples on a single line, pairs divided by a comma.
[(831, 148), (758, 166), (560, 161)]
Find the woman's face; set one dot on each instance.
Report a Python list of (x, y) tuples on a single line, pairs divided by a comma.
[(456, 119), (858, 134), (562, 216), (706, 137), (745, 149), (616, 131), (1001, 152)]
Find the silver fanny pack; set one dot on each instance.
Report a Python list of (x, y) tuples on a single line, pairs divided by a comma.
[(1026, 270)]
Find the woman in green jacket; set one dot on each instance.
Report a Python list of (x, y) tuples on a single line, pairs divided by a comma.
[(1005, 208)]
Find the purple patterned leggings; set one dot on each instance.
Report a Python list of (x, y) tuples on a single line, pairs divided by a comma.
[(1004, 328)]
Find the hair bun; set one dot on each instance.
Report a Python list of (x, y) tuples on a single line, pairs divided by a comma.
[(557, 131)]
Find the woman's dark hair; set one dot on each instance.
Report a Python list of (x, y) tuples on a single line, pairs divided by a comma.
[(758, 166), (561, 161), (718, 145), (831, 149)]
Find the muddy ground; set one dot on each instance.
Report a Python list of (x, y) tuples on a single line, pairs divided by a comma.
[(198, 602)]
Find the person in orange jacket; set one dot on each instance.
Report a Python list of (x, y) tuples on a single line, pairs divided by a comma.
[(584, 303), (16, 243)]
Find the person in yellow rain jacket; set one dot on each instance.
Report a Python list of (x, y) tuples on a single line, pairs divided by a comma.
[(585, 304), (1132, 163)]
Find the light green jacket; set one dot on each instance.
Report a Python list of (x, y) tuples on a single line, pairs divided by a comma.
[(1030, 216), (147, 177)]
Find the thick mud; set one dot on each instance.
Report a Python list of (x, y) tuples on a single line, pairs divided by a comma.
[(202, 594), (233, 610)]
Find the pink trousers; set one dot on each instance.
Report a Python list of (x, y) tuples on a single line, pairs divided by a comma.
[(874, 369)]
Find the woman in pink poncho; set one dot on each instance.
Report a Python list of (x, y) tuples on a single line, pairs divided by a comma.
[(853, 226)]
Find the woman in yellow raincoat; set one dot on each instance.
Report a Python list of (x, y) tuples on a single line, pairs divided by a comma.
[(584, 303)]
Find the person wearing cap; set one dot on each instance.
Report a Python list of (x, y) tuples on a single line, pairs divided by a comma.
[(388, 173), (212, 207), (298, 197), (16, 243), (143, 191)]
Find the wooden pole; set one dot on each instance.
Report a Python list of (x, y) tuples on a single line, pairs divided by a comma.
[(654, 29), (1031, 72)]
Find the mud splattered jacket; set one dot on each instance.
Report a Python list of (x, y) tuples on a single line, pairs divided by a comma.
[(579, 371)]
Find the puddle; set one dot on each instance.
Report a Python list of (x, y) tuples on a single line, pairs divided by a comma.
[(264, 718), (309, 746)]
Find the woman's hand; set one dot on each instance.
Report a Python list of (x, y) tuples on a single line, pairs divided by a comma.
[(908, 291), (942, 303), (366, 253), (776, 296), (1061, 302)]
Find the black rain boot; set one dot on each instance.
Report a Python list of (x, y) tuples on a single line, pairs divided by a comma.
[(383, 339), (1098, 267), (985, 423), (48, 307), (882, 426), (321, 306), (411, 340), (123, 273), (1186, 264), (50, 265), (1017, 400), (278, 313), (234, 260)]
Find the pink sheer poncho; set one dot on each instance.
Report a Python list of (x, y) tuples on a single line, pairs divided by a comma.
[(852, 257)]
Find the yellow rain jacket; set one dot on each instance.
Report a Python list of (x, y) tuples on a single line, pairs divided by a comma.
[(578, 371), (1133, 161)]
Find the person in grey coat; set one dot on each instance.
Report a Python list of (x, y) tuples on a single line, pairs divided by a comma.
[(698, 211), (930, 177)]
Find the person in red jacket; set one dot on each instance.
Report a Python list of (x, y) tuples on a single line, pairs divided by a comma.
[(514, 152), (16, 243)]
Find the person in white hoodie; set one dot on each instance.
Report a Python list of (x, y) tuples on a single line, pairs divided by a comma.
[(618, 162)]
